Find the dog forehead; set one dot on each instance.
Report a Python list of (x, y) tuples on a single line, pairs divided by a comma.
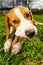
[(18, 13), (21, 13)]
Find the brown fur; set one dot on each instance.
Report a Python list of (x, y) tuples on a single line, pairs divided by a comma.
[(11, 17)]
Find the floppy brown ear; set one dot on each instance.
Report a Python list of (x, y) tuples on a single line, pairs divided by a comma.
[(7, 27), (32, 17), (34, 21)]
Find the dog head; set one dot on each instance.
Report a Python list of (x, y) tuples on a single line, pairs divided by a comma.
[(21, 18)]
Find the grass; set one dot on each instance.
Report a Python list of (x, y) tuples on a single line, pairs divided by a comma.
[(31, 52)]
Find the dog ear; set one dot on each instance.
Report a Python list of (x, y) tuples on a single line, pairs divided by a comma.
[(12, 18), (34, 21), (31, 16), (7, 27)]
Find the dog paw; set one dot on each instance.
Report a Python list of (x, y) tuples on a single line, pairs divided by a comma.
[(16, 48), (7, 45)]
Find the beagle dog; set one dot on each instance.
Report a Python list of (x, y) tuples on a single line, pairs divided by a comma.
[(19, 25)]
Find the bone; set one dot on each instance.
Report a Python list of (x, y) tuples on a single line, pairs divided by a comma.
[(15, 40)]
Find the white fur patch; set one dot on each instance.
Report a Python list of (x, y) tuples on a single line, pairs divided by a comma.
[(7, 45), (19, 14), (24, 25)]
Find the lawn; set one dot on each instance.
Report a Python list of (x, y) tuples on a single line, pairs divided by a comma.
[(31, 52)]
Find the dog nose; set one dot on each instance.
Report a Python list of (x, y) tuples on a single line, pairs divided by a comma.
[(30, 33)]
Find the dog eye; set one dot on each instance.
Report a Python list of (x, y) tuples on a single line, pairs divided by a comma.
[(27, 15), (15, 22)]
